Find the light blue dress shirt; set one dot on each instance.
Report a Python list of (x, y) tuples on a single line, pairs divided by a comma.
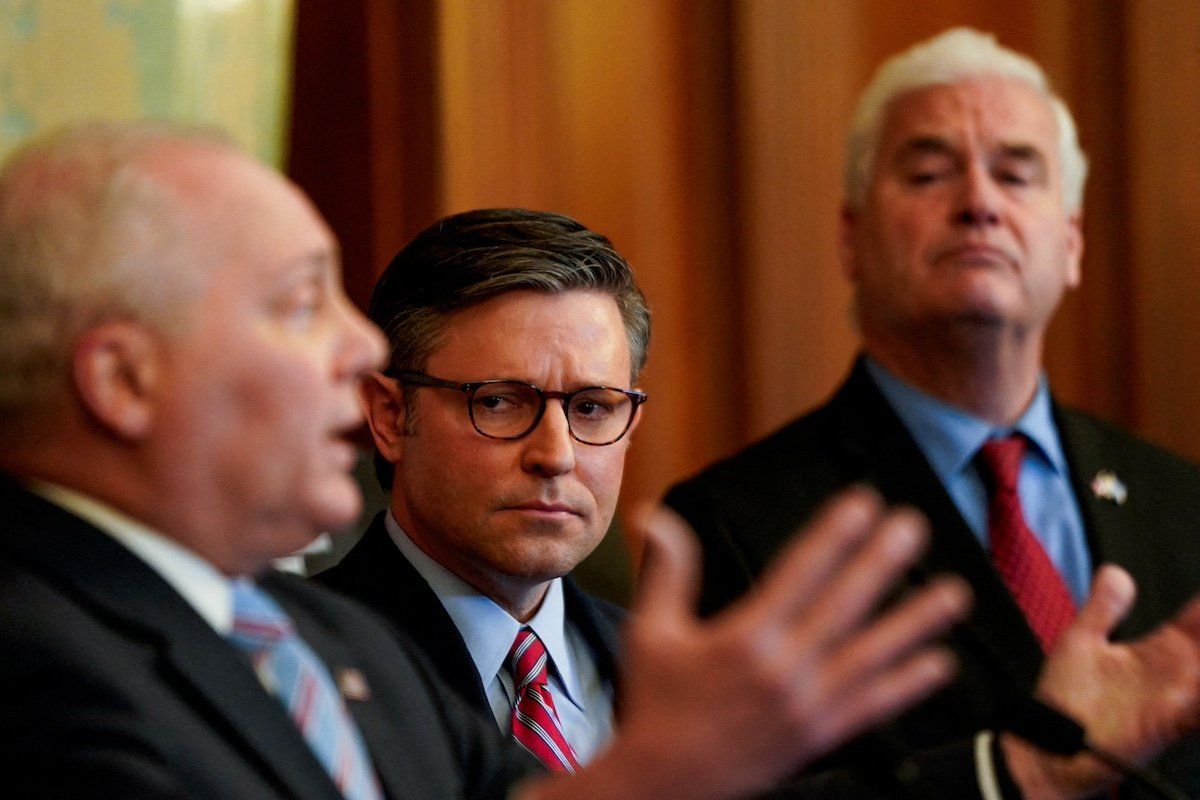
[(581, 698), (950, 438)]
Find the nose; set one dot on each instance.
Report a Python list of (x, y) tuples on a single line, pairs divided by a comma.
[(362, 346), (978, 203), (549, 449)]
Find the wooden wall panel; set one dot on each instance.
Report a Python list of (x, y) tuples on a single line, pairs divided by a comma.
[(705, 138), (1164, 118), (795, 86), (588, 109)]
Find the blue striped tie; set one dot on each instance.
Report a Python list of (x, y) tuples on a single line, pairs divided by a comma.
[(292, 672)]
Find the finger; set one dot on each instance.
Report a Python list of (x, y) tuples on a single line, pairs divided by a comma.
[(853, 592), (892, 638), (1113, 592), (816, 554), (1188, 619), (668, 581), (888, 693)]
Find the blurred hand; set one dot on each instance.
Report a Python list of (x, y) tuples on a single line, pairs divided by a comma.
[(1133, 699), (726, 706)]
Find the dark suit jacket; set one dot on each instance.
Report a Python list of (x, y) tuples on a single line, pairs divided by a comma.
[(115, 687), (375, 572), (744, 509)]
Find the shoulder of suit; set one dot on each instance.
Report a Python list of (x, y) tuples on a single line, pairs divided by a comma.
[(1123, 447)]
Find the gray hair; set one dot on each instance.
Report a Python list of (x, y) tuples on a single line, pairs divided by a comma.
[(951, 57), (87, 233)]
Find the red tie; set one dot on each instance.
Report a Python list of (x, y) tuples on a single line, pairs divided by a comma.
[(1020, 558), (534, 720)]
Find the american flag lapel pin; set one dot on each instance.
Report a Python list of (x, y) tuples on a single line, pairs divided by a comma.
[(1107, 486)]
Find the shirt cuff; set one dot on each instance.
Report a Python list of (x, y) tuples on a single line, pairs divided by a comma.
[(991, 770), (985, 766)]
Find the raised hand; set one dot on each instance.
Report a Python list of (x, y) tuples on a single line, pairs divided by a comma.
[(727, 706), (1133, 699)]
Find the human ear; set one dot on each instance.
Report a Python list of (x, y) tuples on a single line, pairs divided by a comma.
[(382, 402), (1074, 250), (115, 368)]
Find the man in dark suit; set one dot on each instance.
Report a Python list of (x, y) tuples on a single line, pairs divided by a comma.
[(488, 517), (178, 373), (961, 232)]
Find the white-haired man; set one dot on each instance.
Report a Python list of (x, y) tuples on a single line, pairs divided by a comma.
[(961, 233), (178, 366)]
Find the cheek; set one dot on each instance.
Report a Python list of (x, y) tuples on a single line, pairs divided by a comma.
[(601, 473), (894, 243), (449, 477), (274, 419)]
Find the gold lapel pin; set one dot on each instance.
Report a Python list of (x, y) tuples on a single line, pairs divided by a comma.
[(353, 685), (1107, 486)]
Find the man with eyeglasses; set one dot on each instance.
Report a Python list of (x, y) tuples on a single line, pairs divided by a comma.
[(501, 425)]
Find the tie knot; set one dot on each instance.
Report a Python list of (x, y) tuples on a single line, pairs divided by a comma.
[(527, 660), (1002, 459), (258, 621)]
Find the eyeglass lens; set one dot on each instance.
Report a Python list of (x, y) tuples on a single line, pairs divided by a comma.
[(509, 410)]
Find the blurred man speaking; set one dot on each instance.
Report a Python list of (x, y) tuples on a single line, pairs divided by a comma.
[(178, 372)]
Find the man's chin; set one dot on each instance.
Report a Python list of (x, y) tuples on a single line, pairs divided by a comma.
[(337, 508)]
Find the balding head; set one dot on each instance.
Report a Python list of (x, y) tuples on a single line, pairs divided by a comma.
[(176, 340), (90, 228)]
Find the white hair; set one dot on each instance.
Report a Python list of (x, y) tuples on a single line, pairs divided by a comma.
[(87, 233), (953, 56)]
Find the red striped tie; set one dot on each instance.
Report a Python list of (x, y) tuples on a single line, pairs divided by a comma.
[(534, 720), (1019, 557)]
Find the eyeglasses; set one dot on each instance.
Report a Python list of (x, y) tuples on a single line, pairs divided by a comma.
[(596, 415)]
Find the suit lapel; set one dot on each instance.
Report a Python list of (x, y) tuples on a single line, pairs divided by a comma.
[(599, 629), (890, 460), (210, 673), (1115, 531), (378, 573), (232, 690), (397, 766)]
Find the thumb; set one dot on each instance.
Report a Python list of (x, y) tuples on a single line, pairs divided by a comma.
[(1113, 592), (668, 580)]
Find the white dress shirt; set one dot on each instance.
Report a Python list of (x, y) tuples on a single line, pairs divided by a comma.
[(200, 584)]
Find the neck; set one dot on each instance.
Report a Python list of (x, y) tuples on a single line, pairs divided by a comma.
[(112, 476), (989, 373), (521, 602)]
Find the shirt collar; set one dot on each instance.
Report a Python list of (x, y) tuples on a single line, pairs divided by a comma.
[(950, 437), (486, 628), (200, 584)]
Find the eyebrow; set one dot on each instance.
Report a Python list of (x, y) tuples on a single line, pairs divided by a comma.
[(922, 145), (937, 145), (1022, 152)]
